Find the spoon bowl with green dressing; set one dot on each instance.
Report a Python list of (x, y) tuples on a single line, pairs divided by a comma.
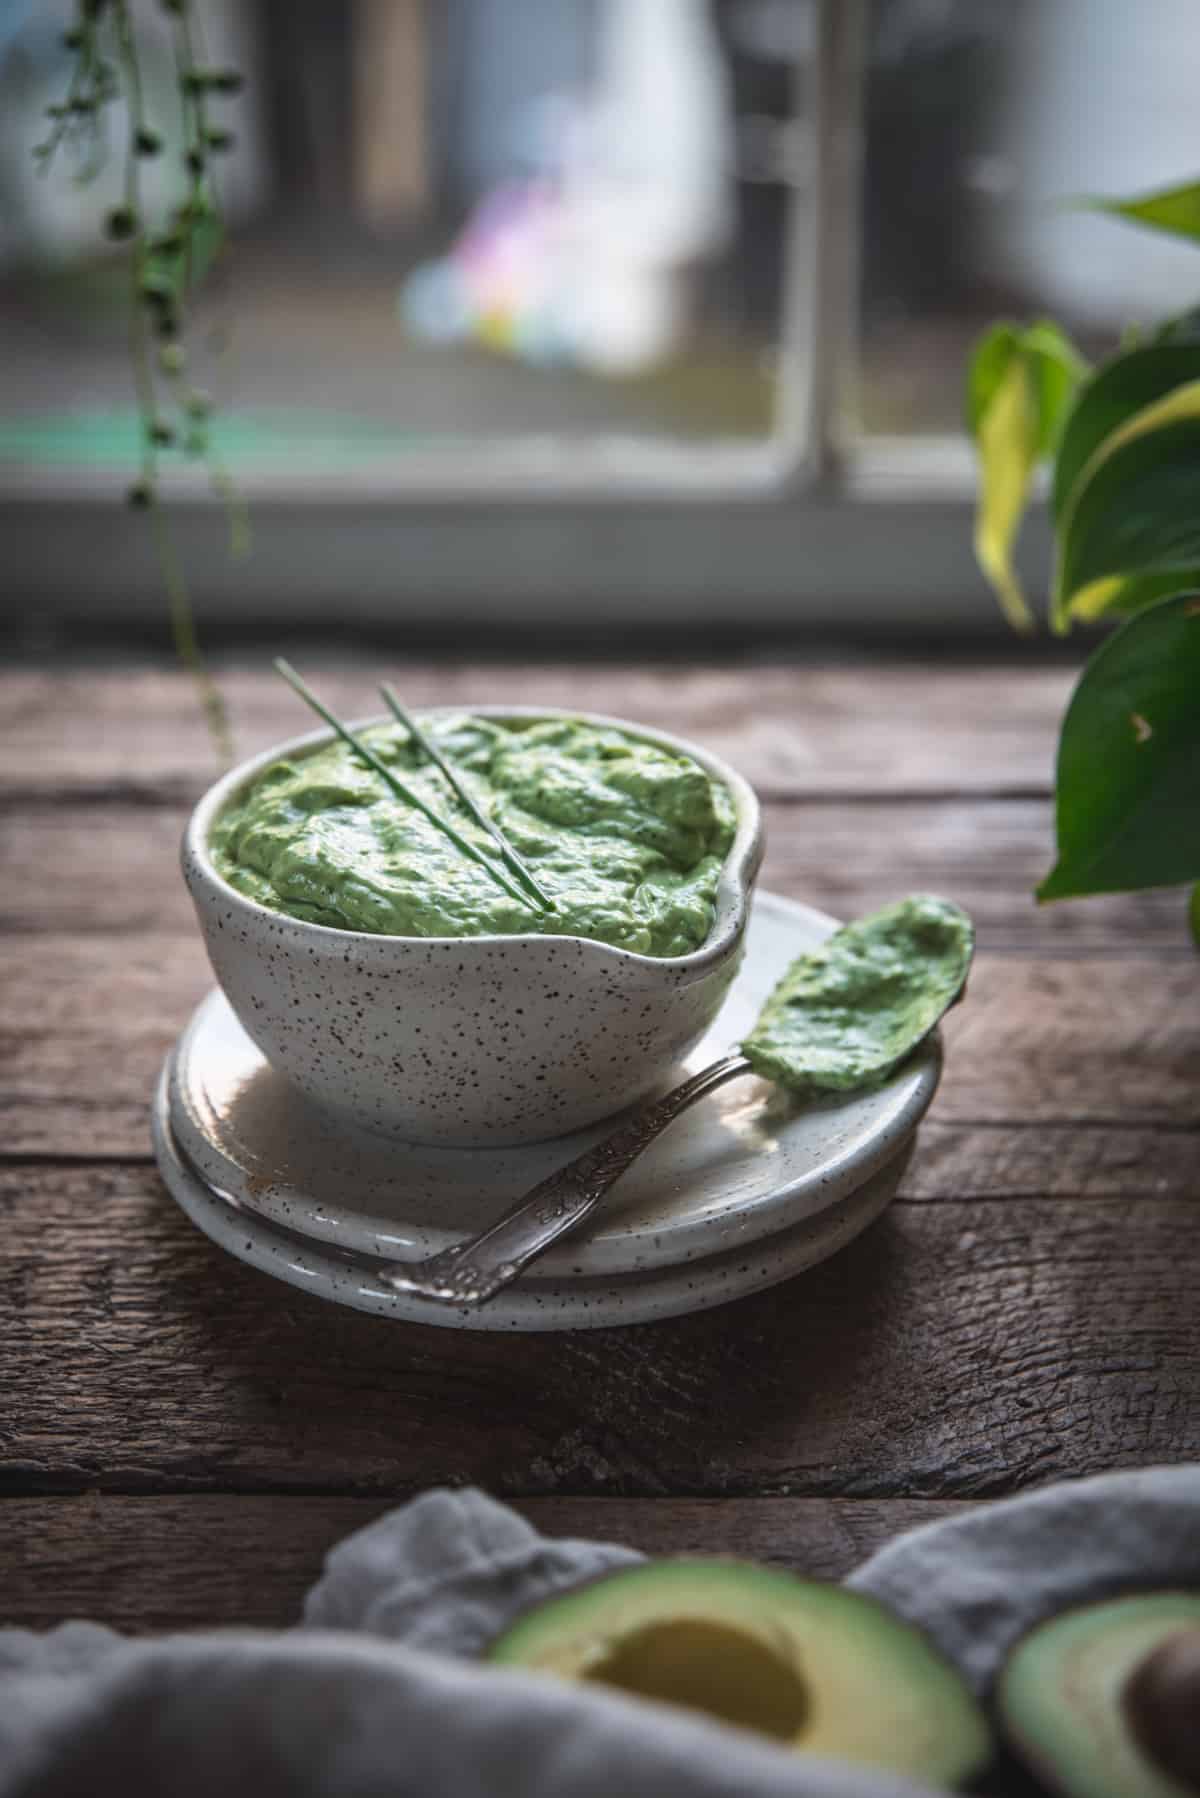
[(843, 1017), (416, 991)]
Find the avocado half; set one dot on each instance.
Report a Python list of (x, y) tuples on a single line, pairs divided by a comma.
[(1104, 1701), (813, 1666)]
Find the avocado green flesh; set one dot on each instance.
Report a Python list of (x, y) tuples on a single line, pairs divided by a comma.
[(813, 1666), (849, 1012), (1061, 1696), (626, 838)]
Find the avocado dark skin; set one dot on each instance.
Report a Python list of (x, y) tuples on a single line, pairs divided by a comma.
[(1162, 1705)]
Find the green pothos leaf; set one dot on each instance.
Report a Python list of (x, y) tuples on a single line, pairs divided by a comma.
[(986, 369), (1115, 393), (1122, 595), (1194, 914), (1020, 385), (1175, 210), (1134, 510), (1128, 786), (1184, 328)]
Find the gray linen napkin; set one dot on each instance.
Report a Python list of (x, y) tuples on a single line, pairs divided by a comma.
[(977, 1582), (375, 1695)]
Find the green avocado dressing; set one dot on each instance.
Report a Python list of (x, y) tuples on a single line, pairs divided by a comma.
[(627, 839), (843, 1016)]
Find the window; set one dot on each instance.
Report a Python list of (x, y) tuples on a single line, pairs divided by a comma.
[(540, 305)]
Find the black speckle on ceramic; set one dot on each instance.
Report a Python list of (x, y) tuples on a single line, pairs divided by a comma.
[(466, 1041)]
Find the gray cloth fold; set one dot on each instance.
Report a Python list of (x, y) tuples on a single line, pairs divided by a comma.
[(448, 1573), (977, 1582), (379, 1693)]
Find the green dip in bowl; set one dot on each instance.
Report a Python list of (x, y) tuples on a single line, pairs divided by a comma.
[(626, 838)]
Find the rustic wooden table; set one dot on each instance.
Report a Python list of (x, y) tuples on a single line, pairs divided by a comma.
[(182, 1438)]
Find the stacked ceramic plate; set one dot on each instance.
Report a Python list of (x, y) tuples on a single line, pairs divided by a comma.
[(744, 1190)]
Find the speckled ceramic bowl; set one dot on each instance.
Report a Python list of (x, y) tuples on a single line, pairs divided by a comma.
[(470, 1041)]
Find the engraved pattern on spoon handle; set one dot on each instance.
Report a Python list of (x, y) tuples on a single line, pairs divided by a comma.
[(471, 1272)]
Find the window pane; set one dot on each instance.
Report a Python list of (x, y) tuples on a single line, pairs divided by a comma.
[(455, 224), (983, 116)]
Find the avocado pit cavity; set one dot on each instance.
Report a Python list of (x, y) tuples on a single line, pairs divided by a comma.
[(708, 1665)]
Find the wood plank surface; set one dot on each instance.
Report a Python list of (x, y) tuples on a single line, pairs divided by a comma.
[(844, 858), (145, 1563), (791, 729), (957, 1349), (181, 1438)]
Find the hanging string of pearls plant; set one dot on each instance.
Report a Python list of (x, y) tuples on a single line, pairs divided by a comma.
[(170, 244)]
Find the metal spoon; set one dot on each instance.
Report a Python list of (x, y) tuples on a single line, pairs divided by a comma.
[(474, 1271)]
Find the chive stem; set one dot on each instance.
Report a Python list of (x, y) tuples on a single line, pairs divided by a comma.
[(392, 780), (433, 754)]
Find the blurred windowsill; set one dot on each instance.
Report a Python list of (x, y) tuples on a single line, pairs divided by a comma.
[(741, 547), (537, 470)]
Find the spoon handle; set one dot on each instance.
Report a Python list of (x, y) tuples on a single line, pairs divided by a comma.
[(472, 1272)]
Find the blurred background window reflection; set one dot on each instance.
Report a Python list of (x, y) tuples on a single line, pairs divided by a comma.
[(983, 118), (481, 221), (477, 218)]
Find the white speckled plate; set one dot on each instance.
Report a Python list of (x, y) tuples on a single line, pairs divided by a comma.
[(742, 1168), (347, 1278)]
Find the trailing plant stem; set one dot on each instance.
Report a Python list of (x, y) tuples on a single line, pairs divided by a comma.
[(146, 494), (183, 632)]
